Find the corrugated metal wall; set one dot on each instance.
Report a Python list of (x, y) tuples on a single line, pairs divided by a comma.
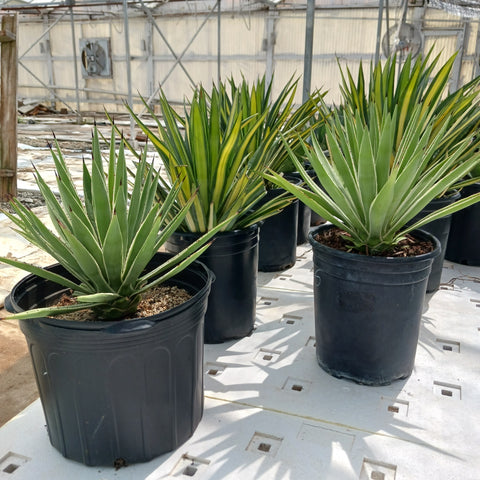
[(249, 38)]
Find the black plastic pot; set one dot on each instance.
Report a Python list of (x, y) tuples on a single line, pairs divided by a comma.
[(278, 235), (303, 223), (304, 214), (464, 240), (233, 258), (124, 391), (438, 228), (316, 219), (368, 311)]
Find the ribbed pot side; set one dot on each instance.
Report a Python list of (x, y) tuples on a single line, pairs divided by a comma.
[(119, 392), (463, 242), (278, 234), (368, 311), (233, 259), (440, 229)]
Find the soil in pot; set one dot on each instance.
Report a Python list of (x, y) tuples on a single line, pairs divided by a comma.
[(156, 300), (368, 309)]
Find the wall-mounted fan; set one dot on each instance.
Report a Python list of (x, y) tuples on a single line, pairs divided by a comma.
[(95, 54), (403, 40)]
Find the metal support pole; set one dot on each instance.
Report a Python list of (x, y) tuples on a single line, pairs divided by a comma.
[(404, 12), (47, 51), (129, 66), (307, 62), (379, 31), (401, 57), (387, 11), (476, 69), (75, 66), (149, 53), (270, 43)]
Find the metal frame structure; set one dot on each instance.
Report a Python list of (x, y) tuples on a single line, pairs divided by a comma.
[(273, 12), (68, 8)]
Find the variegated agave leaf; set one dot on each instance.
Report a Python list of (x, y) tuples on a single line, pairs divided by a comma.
[(107, 237), (371, 193)]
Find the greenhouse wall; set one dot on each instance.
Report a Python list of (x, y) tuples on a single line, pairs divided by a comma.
[(176, 45)]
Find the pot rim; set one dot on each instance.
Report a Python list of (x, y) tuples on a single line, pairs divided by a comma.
[(375, 258), (143, 322), (236, 231)]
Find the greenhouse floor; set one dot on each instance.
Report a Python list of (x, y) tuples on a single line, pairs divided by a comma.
[(272, 413)]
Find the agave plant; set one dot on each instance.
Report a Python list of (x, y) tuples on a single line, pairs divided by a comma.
[(283, 120), (209, 150), (421, 82), (370, 192), (106, 239)]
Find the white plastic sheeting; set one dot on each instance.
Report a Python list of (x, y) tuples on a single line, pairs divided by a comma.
[(271, 413)]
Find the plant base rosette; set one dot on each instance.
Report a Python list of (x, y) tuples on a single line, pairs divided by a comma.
[(118, 392), (368, 311)]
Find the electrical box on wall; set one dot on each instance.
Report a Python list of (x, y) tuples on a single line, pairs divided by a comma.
[(96, 58)]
